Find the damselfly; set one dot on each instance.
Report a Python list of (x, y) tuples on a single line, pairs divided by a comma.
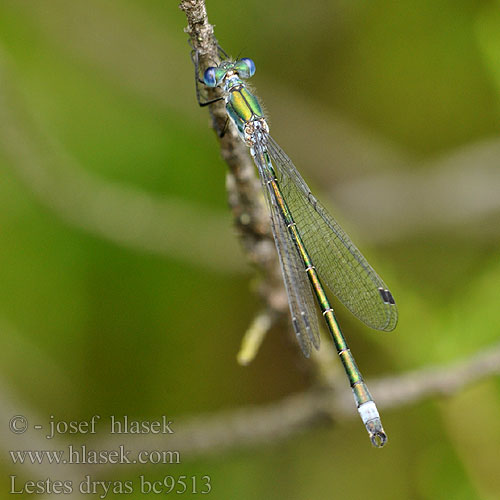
[(312, 247)]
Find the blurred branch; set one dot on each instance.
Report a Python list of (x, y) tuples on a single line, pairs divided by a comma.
[(453, 192), (250, 426), (459, 187), (404, 199), (10, 407), (137, 219), (123, 44), (121, 214), (400, 390)]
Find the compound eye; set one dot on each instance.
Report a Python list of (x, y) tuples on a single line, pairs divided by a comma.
[(245, 67), (209, 77)]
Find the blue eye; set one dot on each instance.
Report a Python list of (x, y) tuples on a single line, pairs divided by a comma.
[(250, 64), (245, 67), (209, 78)]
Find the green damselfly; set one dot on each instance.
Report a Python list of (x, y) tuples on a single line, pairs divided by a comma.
[(311, 245)]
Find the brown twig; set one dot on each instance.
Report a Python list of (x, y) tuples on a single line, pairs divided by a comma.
[(250, 426), (244, 189)]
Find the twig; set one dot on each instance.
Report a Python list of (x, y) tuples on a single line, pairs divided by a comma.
[(470, 174), (279, 420), (393, 392), (251, 426), (244, 189)]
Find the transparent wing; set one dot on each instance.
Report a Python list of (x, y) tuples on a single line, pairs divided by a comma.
[(298, 288), (339, 263)]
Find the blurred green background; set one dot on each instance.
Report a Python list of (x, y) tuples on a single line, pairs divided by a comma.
[(122, 287)]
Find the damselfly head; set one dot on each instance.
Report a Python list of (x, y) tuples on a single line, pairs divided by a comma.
[(215, 75)]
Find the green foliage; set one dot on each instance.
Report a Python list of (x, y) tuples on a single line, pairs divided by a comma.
[(93, 322)]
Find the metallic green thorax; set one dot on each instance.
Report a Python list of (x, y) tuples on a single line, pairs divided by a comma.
[(242, 106)]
